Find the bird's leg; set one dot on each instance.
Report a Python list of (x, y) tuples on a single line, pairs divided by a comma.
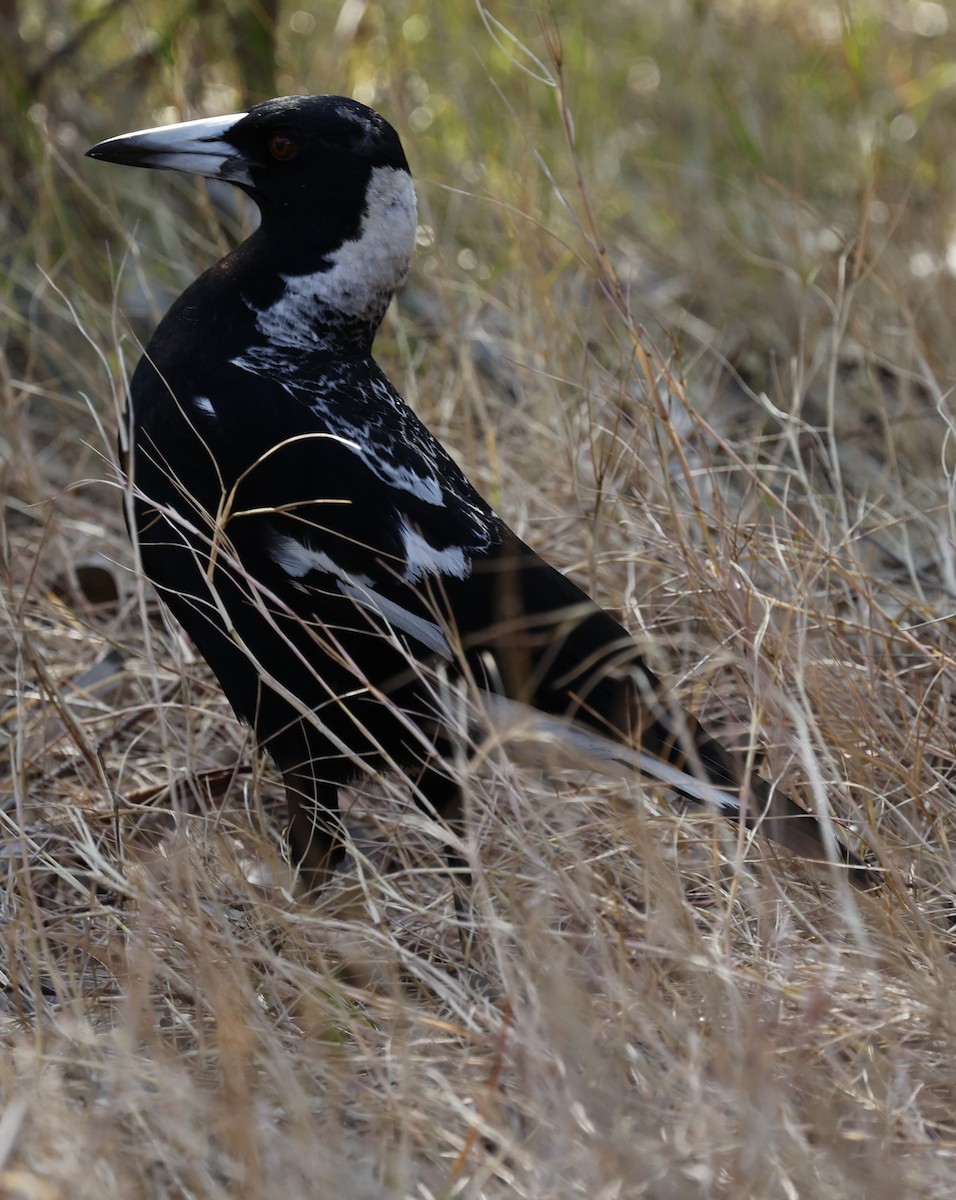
[(314, 831), (443, 793)]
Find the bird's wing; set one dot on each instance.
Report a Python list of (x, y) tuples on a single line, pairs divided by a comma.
[(350, 495), (343, 492), (331, 489)]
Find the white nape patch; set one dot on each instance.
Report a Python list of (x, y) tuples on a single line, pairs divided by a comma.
[(425, 631), (520, 722), (365, 272), (298, 560), (204, 404), (423, 559)]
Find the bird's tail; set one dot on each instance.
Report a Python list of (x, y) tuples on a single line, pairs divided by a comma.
[(692, 764), (553, 661), (762, 805), (675, 748)]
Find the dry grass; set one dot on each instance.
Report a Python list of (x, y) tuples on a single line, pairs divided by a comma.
[(714, 386)]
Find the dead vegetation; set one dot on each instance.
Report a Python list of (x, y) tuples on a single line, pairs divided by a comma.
[(725, 407)]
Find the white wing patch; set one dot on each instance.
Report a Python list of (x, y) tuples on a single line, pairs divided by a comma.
[(204, 404), (298, 560), (429, 633), (357, 431), (423, 559), (382, 458), (425, 487)]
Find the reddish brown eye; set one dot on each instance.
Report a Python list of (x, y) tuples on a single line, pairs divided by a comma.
[(282, 147)]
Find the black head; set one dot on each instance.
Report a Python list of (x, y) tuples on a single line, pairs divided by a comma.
[(282, 130), (338, 206), (299, 156)]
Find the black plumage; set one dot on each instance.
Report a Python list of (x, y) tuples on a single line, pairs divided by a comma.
[(321, 548)]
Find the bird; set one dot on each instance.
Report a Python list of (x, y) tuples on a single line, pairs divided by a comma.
[(324, 552)]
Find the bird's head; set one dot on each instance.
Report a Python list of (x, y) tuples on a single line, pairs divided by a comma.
[(328, 174)]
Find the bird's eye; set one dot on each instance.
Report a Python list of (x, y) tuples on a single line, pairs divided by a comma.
[(282, 147)]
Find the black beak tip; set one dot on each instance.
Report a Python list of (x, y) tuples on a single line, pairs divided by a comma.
[(115, 151), (102, 151)]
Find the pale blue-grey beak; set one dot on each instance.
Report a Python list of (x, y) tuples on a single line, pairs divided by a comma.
[(196, 147)]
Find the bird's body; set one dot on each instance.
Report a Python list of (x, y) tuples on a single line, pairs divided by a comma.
[(320, 546)]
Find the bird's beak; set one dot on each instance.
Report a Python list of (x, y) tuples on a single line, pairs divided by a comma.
[(196, 147)]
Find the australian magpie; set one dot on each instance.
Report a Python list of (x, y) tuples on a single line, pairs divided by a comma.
[(329, 559)]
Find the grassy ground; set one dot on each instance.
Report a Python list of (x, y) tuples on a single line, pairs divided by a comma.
[(683, 309)]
